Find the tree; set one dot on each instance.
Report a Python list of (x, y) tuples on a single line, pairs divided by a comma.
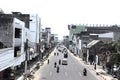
[(115, 58)]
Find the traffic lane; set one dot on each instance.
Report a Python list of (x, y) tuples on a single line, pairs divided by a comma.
[(75, 70), (72, 71), (48, 72)]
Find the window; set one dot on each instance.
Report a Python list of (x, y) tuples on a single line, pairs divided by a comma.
[(73, 26), (17, 33)]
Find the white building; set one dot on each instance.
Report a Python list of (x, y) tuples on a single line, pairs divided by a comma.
[(14, 34), (34, 33), (14, 55)]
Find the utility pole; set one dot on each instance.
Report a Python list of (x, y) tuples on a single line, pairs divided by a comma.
[(95, 59), (26, 54)]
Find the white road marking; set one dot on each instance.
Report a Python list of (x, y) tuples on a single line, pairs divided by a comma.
[(79, 73)]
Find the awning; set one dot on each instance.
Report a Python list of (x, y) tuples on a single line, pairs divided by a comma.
[(92, 43)]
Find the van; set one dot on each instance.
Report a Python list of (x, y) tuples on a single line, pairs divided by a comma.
[(64, 62)]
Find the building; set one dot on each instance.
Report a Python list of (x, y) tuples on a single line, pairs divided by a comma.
[(12, 42), (34, 29), (81, 35), (66, 41), (16, 29)]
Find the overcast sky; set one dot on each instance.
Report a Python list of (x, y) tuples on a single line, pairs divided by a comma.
[(57, 14)]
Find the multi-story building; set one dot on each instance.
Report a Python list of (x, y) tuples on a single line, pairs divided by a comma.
[(45, 41), (35, 28), (66, 41), (81, 35), (55, 39), (15, 30), (12, 42)]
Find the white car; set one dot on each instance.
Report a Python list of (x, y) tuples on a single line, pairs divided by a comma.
[(64, 62)]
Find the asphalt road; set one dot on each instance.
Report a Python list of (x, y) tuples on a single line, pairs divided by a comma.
[(72, 71)]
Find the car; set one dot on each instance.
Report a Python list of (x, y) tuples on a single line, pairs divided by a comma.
[(64, 62)]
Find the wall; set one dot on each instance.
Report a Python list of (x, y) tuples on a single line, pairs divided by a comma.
[(34, 28), (7, 58), (6, 31)]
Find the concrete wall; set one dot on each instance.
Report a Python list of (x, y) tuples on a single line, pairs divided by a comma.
[(6, 32)]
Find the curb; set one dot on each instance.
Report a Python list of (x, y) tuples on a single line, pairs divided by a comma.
[(104, 78)]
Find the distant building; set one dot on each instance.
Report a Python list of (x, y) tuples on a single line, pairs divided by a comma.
[(66, 41), (81, 35)]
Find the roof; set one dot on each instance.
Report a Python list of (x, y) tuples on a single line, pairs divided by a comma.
[(92, 43), (78, 29), (1, 11)]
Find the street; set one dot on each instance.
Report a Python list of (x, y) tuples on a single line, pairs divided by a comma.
[(72, 71)]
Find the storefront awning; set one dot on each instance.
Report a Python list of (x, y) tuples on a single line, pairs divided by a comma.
[(92, 43)]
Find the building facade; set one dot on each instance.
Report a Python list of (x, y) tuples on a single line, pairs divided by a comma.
[(15, 29)]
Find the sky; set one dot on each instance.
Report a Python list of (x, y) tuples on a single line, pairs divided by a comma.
[(57, 14)]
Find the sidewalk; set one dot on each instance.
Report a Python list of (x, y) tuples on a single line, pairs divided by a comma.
[(32, 70), (98, 72)]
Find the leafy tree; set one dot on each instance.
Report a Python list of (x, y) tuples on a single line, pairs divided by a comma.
[(115, 58)]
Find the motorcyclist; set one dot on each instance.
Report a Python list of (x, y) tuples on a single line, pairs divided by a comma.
[(55, 64), (48, 61), (54, 53), (57, 54), (85, 72), (59, 61), (57, 69)]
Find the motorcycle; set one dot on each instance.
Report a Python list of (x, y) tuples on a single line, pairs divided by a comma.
[(85, 72), (48, 61), (59, 61), (54, 53), (57, 69), (55, 64)]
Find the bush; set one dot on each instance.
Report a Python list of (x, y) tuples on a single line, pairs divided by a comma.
[(115, 58)]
